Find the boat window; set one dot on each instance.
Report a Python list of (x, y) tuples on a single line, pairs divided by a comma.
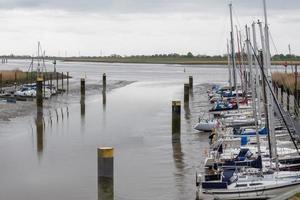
[(254, 184), (242, 176), (241, 185)]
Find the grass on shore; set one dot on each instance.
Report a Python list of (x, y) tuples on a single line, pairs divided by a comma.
[(162, 60), (287, 80), (12, 77)]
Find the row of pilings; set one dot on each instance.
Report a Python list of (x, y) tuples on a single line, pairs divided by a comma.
[(105, 155), (288, 98)]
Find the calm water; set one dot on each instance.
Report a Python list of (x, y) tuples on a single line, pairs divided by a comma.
[(61, 163)]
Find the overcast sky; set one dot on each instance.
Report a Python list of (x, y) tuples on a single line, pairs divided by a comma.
[(126, 27)]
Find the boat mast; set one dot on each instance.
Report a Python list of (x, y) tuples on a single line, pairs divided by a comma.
[(232, 48), (269, 78), (250, 62), (229, 67), (257, 85)]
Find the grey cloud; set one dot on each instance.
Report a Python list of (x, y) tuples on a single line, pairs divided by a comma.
[(145, 6)]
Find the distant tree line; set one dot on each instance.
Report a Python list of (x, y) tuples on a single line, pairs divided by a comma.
[(189, 55)]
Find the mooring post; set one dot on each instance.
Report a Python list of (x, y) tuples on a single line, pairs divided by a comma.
[(298, 99), (82, 98), (67, 81), (62, 81), (39, 93), (44, 84), (50, 77), (296, 92), (82, 87), (176, 121), (288, 99), (186, 93), (191, 82), (57, 81), (39, 120), (105, 173), (1, 83), (104, 82), (15, 79)]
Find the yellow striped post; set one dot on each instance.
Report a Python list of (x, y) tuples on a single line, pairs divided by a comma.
[(105, 173)]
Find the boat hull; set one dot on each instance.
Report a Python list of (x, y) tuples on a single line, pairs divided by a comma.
[(263, 193)]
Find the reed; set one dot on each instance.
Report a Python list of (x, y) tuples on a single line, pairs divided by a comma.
[(11, 77), (286, 79)]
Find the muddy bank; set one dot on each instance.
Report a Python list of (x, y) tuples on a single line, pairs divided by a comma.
[(9, 111)]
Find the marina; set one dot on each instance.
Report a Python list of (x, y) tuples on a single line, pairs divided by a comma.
[(143, 127)]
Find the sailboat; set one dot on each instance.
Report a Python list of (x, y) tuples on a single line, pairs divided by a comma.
[(231, 182)]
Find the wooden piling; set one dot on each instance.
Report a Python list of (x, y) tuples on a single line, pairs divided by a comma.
[(50, 77), (62, 81), (191, 82), (288, 100), (1, 84), (57, 81), (82, 87), (82, 97), (105, 173), (186, 93), (296, 111), (67, 81), (176, 121), (104, 83), (16, 79), (44, 85), (39, 94)]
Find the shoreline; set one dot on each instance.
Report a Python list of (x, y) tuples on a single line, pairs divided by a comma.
[(168, 62)]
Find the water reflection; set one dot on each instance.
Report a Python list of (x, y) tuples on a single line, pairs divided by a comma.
[(40, 130), (104, 100), (82, 112), (187, 111), (105, 188)]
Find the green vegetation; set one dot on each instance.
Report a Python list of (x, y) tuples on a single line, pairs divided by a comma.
[(173, 58), (189, 59)]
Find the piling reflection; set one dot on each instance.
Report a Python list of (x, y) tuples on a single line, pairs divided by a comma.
[(40, 131), (187, 111), (82, 107), (105, 173), (104, 100), (68, 112), (178, 157), (105, 188)]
